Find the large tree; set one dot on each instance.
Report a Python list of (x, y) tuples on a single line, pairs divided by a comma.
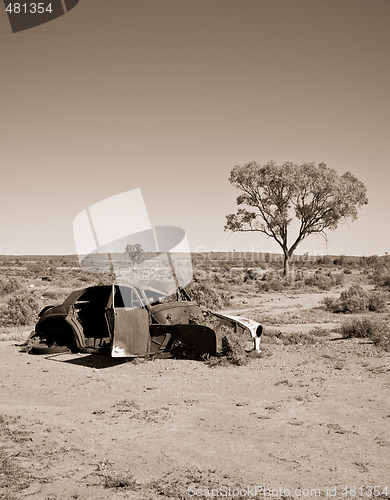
[(271, 195)]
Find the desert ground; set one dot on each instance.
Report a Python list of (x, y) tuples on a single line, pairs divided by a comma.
[(308, 417)]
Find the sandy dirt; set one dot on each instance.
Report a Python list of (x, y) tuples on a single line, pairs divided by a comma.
[(298, 418)]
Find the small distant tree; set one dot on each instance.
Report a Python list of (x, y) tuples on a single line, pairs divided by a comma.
[(273, 194), (134, 251)]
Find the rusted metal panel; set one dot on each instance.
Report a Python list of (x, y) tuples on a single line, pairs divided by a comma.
[(176, 312), (194, 338), (131, 333), (245, 324)]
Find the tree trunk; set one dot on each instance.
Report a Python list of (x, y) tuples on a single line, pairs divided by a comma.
[(286, 269)]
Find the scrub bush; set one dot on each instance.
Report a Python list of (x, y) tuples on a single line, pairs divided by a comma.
[(377, 301), (233, 347), (355, 300), (319, 280), (21, 309), (371, 328), (232, 352), (382, 279), (207, 295), (8, 286)]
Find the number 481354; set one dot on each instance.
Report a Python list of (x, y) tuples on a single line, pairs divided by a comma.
[(32, 8), (364, 491)]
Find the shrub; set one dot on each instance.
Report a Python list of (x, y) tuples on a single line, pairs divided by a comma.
[(319, 280), (338, 279), (271, 336), (377, 301), (233, 350), (360, 327), (55, 295), (10, 285), (118, 480), (249, 274), (219, 280), (20, 309), (372, 328), (206, 295), (35, 269), (339, 261), (233, 347), (385, 282), (271, 281), (330, 304), (271, 285), (318, 331), (235, 277), (308, 338), (355, 300), (382, 280)]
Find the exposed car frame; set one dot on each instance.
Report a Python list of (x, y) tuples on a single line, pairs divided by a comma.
[(134, 320)]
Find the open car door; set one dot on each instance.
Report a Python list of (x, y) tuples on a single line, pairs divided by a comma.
[(129, 324)]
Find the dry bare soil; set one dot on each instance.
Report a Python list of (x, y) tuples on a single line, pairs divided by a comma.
[(304, 420)]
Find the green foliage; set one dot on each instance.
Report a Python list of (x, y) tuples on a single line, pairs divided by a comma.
[(355, 300), (21, 309)]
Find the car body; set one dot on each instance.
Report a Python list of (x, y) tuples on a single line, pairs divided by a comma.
[(131, 321)]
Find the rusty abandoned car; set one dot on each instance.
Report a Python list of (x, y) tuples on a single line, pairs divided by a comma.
[(131, 321)]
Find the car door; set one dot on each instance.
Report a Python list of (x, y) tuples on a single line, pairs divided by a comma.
[(130, 324)]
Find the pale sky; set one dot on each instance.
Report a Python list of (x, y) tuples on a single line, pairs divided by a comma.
[(168, 95)]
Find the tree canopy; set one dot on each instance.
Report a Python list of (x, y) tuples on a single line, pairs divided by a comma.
[(271, 195), (135, 252)]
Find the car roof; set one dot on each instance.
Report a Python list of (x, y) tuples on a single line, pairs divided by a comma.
[(140, 286)]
